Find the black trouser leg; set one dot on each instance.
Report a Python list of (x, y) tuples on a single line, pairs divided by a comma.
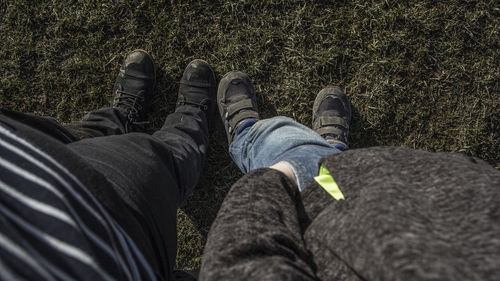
[(99, 123), (47, 125), (185, 132), (154, 174)]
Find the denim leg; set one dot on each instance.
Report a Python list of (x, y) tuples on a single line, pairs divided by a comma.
[(278, 139)]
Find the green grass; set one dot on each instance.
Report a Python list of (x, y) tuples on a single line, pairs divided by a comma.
[(420, 74)]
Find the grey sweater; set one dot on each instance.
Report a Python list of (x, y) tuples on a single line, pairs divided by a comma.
[(408, 215)]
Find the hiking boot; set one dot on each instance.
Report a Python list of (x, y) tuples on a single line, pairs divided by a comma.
[(332, 116), (197, 87), (133, 89), (236, 100)]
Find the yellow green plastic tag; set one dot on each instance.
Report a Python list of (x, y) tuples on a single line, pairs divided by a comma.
[(328, 183)]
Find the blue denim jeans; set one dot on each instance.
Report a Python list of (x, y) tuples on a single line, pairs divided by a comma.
[(278, 139)]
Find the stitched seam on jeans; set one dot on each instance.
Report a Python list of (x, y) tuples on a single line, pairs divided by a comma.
[(256, 127), (251, 135), (297, 171)]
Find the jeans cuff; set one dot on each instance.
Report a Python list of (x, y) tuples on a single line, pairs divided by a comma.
[(298, 171), (246, 124), (340, 147)]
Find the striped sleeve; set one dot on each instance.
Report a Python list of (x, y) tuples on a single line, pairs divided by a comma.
[(52, 228)]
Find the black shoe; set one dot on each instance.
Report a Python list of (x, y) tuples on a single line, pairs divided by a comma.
[(332, 116), (236, 100), (133, 88), (197, 88)]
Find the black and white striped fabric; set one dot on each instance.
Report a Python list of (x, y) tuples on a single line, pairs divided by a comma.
[(52, 228)]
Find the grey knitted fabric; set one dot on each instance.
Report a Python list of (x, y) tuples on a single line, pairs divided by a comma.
[(408, 215)]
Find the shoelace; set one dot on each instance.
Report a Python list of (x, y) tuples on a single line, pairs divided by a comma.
[(129, 100), (132, 103)]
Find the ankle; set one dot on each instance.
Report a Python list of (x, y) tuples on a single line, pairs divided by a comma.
[(243, 124)]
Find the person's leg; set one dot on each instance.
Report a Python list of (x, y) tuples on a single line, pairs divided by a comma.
[(47, 125), (185, 135), (98, 123), (278, 139), (154, 174), (257, 144), (132, 94), (185, 131)]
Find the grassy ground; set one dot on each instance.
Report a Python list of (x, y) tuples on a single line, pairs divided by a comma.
[(420, 74)]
